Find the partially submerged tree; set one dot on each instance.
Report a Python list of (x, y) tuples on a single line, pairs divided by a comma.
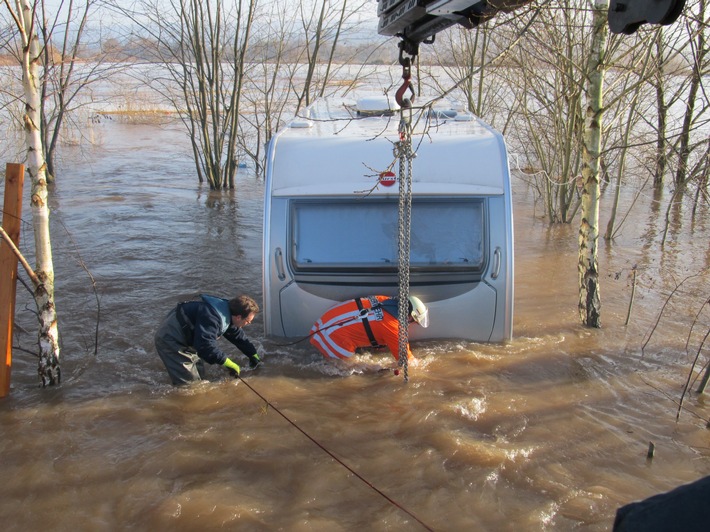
[(202, 46), (265, 92), (23, 13), (478, 63), (696, 108), (548, 84), (589, 289), (66, 75), (323, 24), (682, 104)]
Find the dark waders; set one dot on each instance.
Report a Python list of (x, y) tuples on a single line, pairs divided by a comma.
[(180, 359)]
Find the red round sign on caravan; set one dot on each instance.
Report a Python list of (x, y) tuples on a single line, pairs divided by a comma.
[(388, 178)]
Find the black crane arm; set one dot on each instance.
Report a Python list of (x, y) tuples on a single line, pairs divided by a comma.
[(417, 21)]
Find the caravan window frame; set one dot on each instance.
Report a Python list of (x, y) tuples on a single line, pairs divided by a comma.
[(466, 261)]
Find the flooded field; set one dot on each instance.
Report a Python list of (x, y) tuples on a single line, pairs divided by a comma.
[(547, 432)]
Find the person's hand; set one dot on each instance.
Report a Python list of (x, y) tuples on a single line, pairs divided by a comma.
[(254, 361), (233, 368)]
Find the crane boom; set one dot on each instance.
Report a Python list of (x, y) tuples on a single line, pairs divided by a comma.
[(417, 21)]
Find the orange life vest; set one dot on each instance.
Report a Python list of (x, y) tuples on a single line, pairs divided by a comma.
[(343, 328)]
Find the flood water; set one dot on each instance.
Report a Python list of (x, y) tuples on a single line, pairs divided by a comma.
[(547, 432)]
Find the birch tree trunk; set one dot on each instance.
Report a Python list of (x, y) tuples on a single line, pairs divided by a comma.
[(49, 371), (589, 290)]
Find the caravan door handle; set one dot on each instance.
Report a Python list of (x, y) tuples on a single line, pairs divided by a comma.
[(279, 260), (496, 263)]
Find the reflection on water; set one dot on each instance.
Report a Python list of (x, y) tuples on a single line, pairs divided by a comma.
[(547, 432)]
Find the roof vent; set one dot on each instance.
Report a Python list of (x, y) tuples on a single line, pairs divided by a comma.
[(464, 117), (442, 114), (376, 106), (301, 124)]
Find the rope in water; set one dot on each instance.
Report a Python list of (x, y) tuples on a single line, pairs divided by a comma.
[(324, 449)]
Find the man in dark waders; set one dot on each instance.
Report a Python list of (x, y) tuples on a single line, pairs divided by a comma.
[(187, 337)]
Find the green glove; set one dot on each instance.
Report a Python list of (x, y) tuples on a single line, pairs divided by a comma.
[(232, 367), (254, 361)]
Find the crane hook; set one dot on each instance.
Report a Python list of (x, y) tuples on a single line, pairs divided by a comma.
[(406, 63)]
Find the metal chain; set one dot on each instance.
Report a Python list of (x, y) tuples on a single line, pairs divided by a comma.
[(403, 150)]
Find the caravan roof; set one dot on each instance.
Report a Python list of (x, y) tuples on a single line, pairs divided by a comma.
[(356, 141)]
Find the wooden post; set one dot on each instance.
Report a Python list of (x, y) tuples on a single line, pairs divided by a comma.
[(12, 211)]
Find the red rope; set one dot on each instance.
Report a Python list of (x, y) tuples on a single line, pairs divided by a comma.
[(368, 483)]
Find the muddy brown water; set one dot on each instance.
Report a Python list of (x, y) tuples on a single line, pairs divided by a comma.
[(547, 432)]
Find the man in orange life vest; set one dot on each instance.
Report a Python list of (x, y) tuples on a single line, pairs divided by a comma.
[(364, 322)]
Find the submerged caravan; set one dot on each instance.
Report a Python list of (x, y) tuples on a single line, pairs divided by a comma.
[(331, 218)]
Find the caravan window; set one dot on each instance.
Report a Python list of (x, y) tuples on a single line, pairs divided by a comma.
[(446, 235)]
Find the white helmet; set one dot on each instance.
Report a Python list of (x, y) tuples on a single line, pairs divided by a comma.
[(418, 311)]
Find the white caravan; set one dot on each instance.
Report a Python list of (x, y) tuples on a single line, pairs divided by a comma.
[(331, 219)]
